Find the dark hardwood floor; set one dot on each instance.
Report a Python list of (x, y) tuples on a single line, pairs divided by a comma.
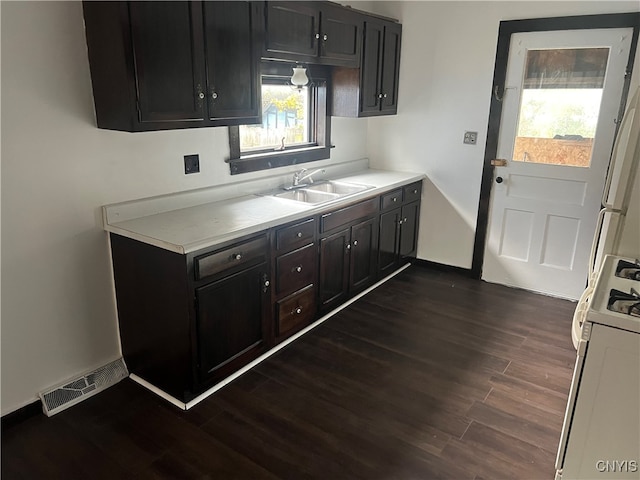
[(432, 375)]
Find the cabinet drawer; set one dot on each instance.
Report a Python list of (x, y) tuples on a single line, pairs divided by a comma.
[(391, 199), (295, 311), (296, 269), (346, 215), (242, 254), (412, 192), (295, 236)]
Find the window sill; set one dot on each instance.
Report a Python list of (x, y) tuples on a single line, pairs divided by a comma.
[(265, 160)]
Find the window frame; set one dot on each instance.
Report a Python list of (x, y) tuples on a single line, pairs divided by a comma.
[(320, 126)]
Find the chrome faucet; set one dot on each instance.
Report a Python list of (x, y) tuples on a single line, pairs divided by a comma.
[(299, 177)]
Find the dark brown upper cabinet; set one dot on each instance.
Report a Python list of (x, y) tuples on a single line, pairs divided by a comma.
[(313, 32), (373, 88), (164, 65)]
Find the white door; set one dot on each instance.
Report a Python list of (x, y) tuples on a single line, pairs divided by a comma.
[(561, 98)]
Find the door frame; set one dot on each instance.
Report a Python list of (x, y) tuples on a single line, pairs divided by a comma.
[(508, 28)]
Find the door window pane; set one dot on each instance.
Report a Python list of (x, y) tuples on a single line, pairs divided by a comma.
[(560, 104)]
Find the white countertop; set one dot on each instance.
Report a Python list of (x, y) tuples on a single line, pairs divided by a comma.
[(185, 230)]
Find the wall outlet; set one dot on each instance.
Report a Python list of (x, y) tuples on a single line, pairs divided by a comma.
[(470, 138), (191, 164)]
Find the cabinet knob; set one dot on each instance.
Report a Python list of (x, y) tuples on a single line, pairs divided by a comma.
[(324, 37), (355, 243), (317, 35), (299, 234), (298, 310), (400, 222), (237, 256), (200, 95), (395, 199), (415, 191), (348, 246), (214, 95), (404, 219), (384, 96), (298, 268), (499, 180), (267, 283), (379, 95)]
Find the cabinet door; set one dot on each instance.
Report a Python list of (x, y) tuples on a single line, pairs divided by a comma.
[(334, 268), (231, 322), (388, 241), (340, 36), (409, 230), (169, 60), (390, 68), (362, 269), (371, 75), (232, 36), (292, 31)]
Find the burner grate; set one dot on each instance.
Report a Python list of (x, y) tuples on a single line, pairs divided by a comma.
[(629, 270), (623, 302)]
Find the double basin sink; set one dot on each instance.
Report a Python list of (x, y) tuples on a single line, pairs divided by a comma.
[(321, 192)]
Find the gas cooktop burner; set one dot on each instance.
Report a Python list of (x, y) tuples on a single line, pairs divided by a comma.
[(628, 270), (626, 303)]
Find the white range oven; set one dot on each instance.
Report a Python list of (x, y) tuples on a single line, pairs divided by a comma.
[(601, 431)]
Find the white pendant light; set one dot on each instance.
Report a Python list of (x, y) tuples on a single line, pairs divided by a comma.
[(299, 78)]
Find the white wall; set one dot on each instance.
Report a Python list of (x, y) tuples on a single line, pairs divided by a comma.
[(446, 70), (58, 312)]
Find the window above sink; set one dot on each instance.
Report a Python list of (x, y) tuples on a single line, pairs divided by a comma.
[(295, 128)]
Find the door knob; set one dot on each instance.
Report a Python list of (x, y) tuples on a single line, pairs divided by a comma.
[(499, 180)]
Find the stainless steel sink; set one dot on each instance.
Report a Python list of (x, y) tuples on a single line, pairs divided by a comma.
[(307, 196), (321, 192), (340, 188)]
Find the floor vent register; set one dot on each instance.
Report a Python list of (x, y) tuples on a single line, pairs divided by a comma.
[(75, 390)]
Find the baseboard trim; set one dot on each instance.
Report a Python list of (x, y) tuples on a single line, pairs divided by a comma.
[(186, 406), (443, 267), (20, 415)]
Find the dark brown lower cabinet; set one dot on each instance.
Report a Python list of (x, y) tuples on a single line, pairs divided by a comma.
[(188, 321), (409, 230), (388, 241), (334, 268), (231, 322), (398, 237), (363, 247), (347, 262)]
